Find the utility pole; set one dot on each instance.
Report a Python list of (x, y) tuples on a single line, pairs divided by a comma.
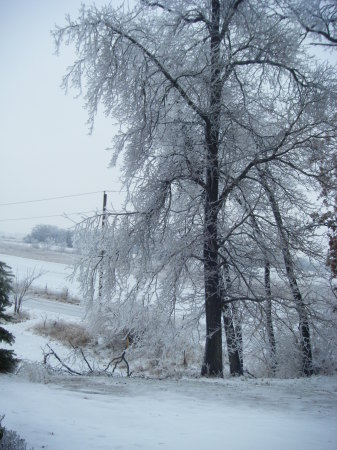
[(104, 209), (100, 286)]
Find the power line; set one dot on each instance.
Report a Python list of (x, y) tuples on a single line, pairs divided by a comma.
[(53, 198), (64, 215)]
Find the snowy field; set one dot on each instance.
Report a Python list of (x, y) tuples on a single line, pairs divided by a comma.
[(63, 412), (55, 275)]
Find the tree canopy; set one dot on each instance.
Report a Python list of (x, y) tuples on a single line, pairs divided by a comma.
[(223, 110)]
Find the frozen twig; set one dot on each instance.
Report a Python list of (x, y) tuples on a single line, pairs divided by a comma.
[(84, 357), (69, 369), (117, 361), (91, 371)]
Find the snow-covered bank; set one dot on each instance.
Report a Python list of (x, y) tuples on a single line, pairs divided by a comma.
[(71, 412)]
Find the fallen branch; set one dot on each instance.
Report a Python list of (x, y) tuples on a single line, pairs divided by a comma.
[(84, 358), (91, 371), (117, 361), (69, 369), (249, 374), (46, 356)]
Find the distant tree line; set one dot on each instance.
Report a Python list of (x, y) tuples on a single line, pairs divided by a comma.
[(50, 234)]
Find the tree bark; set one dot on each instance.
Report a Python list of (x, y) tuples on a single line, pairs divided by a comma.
[(235, 362), (238, 334), (267, 287), (269, 318), (212, 365), (234, 359), (305, 341)]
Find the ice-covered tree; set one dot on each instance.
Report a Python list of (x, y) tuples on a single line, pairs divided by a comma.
[(7, 359), (318, 19), (49, 234), (206, 93)]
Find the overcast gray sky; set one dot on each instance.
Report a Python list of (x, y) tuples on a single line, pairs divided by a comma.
[(46, 150)]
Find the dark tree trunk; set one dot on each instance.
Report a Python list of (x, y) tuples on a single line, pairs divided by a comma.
[(235, 362), (238, 334), (212, 365), (269, 318), (267, 287), (305, 341)]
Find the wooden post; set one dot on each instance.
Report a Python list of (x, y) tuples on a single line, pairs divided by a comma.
[(100, 287)]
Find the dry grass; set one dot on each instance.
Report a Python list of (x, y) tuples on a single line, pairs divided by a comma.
[(71, 334), (19, 317), (60, 296)]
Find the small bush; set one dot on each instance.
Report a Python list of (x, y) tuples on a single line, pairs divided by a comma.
[(7, 357), (68, 333), (8, 362), (19, 317), (10, 440), (36, 372)]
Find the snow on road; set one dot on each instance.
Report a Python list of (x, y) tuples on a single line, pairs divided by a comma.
[(42, 306)]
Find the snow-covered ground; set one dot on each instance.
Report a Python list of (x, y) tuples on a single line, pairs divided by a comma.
[(62, 412), (117, 413)]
